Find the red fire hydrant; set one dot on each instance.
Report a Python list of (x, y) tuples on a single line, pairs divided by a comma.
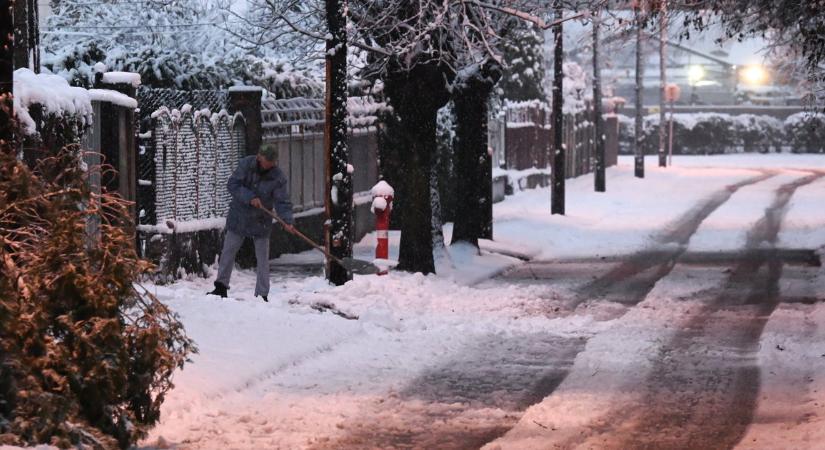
[(382, 207)]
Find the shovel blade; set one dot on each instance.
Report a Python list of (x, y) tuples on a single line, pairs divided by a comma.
[(359, 266)]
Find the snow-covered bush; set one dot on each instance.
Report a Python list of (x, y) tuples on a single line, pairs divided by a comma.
[(443, 167), (806, 132), (707, 133), (85, 358), (521, 45), (711, 134), (574, 86), (626, 128), (758, 132), (182, 46), (51, 113)]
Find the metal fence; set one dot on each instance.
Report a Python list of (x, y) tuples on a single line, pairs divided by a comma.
[(194, 155), (149, 101), (296, 127), (528, 138)]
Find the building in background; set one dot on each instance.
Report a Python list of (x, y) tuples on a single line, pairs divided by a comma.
[(708, 72)]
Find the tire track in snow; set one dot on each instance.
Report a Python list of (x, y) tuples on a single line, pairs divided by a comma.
[(448, 400), (702, 392), (631, 281)]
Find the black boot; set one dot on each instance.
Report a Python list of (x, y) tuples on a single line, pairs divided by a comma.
[(220, 290), (265, 299)]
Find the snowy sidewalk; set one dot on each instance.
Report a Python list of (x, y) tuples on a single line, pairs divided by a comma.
[(452, 356)]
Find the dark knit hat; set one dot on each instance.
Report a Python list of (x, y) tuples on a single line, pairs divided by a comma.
[(269, 151)]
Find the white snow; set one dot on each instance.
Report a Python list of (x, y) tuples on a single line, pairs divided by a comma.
[(113, 97), (122, 78), (283, 375), (379, 204), (53, 93), (382, 188), (245, 89), (802, 226)]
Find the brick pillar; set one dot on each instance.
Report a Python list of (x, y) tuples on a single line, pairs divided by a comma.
[(247, 101)]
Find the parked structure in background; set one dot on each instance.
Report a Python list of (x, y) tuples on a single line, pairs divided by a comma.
[(709, 73)]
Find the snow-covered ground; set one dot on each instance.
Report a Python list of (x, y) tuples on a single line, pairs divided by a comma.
[(448, 356)]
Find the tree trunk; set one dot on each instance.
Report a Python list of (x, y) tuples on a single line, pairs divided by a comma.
[(473, 162), (637, 141), (598, 120), (339, 180), (662, 82), (26, 35), (415, 133), (6, 73), (557, 199)]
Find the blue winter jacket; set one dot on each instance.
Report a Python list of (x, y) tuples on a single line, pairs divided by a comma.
[(247, 183)]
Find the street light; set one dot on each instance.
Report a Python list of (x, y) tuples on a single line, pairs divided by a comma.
[(754, 75), (695, 74)]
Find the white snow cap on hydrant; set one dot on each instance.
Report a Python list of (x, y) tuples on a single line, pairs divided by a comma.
[(382, 189), (378, 204)]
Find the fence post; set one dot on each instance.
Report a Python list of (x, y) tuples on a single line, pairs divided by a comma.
[(247, 101), (119, 138)]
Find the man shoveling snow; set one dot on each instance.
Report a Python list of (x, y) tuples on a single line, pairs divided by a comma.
[(256, 184)]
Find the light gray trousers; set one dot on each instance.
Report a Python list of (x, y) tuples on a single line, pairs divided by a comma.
[(231, 243)]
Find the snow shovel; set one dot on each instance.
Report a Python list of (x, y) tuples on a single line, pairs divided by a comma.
[(351, 265)]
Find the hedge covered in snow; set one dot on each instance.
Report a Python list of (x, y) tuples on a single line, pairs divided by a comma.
[(714, 133)]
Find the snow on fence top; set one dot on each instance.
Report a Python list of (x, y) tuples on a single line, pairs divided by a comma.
[(285, 116), (281, 116), (114, 97)]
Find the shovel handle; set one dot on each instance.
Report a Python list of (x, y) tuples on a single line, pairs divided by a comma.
[(305, 238)]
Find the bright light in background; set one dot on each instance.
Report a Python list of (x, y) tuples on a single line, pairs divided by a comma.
[(754, 75), (695, 74)]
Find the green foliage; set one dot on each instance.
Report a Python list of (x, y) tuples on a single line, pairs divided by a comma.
[(523, 62), (85, 357)]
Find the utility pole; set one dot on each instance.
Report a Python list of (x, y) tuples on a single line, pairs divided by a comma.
[(338, 229), (639, 168), (598, 120), (662, 80), (557, 199)]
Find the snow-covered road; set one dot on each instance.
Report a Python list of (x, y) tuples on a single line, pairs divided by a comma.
[(686, 310)]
